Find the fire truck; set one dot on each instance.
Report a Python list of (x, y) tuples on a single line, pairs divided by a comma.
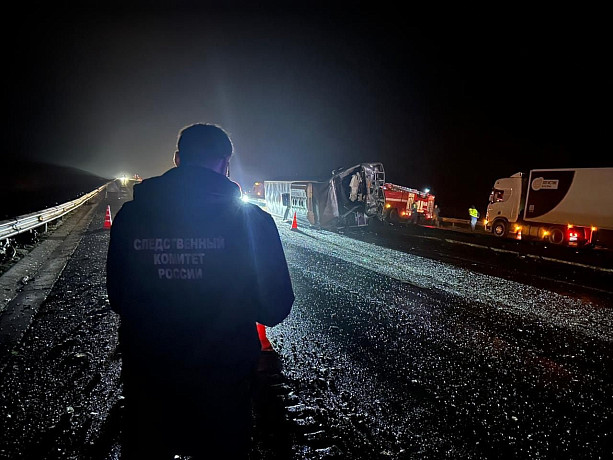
[(399, 202)]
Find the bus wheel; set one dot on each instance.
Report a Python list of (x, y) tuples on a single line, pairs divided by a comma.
[(500, 228)]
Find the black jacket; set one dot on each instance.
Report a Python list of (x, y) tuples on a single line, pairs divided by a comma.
[(190, 270)]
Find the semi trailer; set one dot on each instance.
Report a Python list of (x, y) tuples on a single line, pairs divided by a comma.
[(561, 206)]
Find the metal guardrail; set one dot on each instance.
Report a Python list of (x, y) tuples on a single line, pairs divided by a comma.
[(27, 222), (461, 222)]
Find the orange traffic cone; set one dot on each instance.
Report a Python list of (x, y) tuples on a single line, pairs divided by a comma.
[(295, 223), (266, 345), (108, 221)]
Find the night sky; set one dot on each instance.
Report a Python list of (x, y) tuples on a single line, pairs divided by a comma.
[(303, 91)]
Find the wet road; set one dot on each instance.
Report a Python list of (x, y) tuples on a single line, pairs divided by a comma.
[(396, 355), (387, 353)]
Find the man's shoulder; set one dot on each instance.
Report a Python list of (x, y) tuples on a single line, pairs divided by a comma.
[(130, 213), (253, 211)]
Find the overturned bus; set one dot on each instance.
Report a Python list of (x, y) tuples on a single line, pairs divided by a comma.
[(350, 198)]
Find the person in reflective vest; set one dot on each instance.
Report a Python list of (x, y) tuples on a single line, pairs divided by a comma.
[(191, 270), (474, 215)]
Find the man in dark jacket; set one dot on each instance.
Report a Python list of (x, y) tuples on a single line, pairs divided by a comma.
[(190, 270)]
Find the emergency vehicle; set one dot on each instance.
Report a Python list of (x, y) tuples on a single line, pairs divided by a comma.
[(399, 204)]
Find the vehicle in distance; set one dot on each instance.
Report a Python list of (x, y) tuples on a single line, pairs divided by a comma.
[(561, 206)]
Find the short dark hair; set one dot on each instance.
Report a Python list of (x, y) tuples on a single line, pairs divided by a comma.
[(203, 141)]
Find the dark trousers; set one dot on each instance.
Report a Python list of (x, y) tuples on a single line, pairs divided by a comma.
[(204, 421)]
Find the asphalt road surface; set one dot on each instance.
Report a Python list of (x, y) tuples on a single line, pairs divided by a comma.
[(398, 355), (402, 343)]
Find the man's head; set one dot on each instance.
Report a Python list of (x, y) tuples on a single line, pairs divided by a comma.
[(205, 145)]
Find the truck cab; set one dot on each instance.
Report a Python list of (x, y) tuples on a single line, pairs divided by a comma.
[(505, 205)]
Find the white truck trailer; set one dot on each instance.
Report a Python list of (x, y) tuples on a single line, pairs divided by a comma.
[(562, 206)]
